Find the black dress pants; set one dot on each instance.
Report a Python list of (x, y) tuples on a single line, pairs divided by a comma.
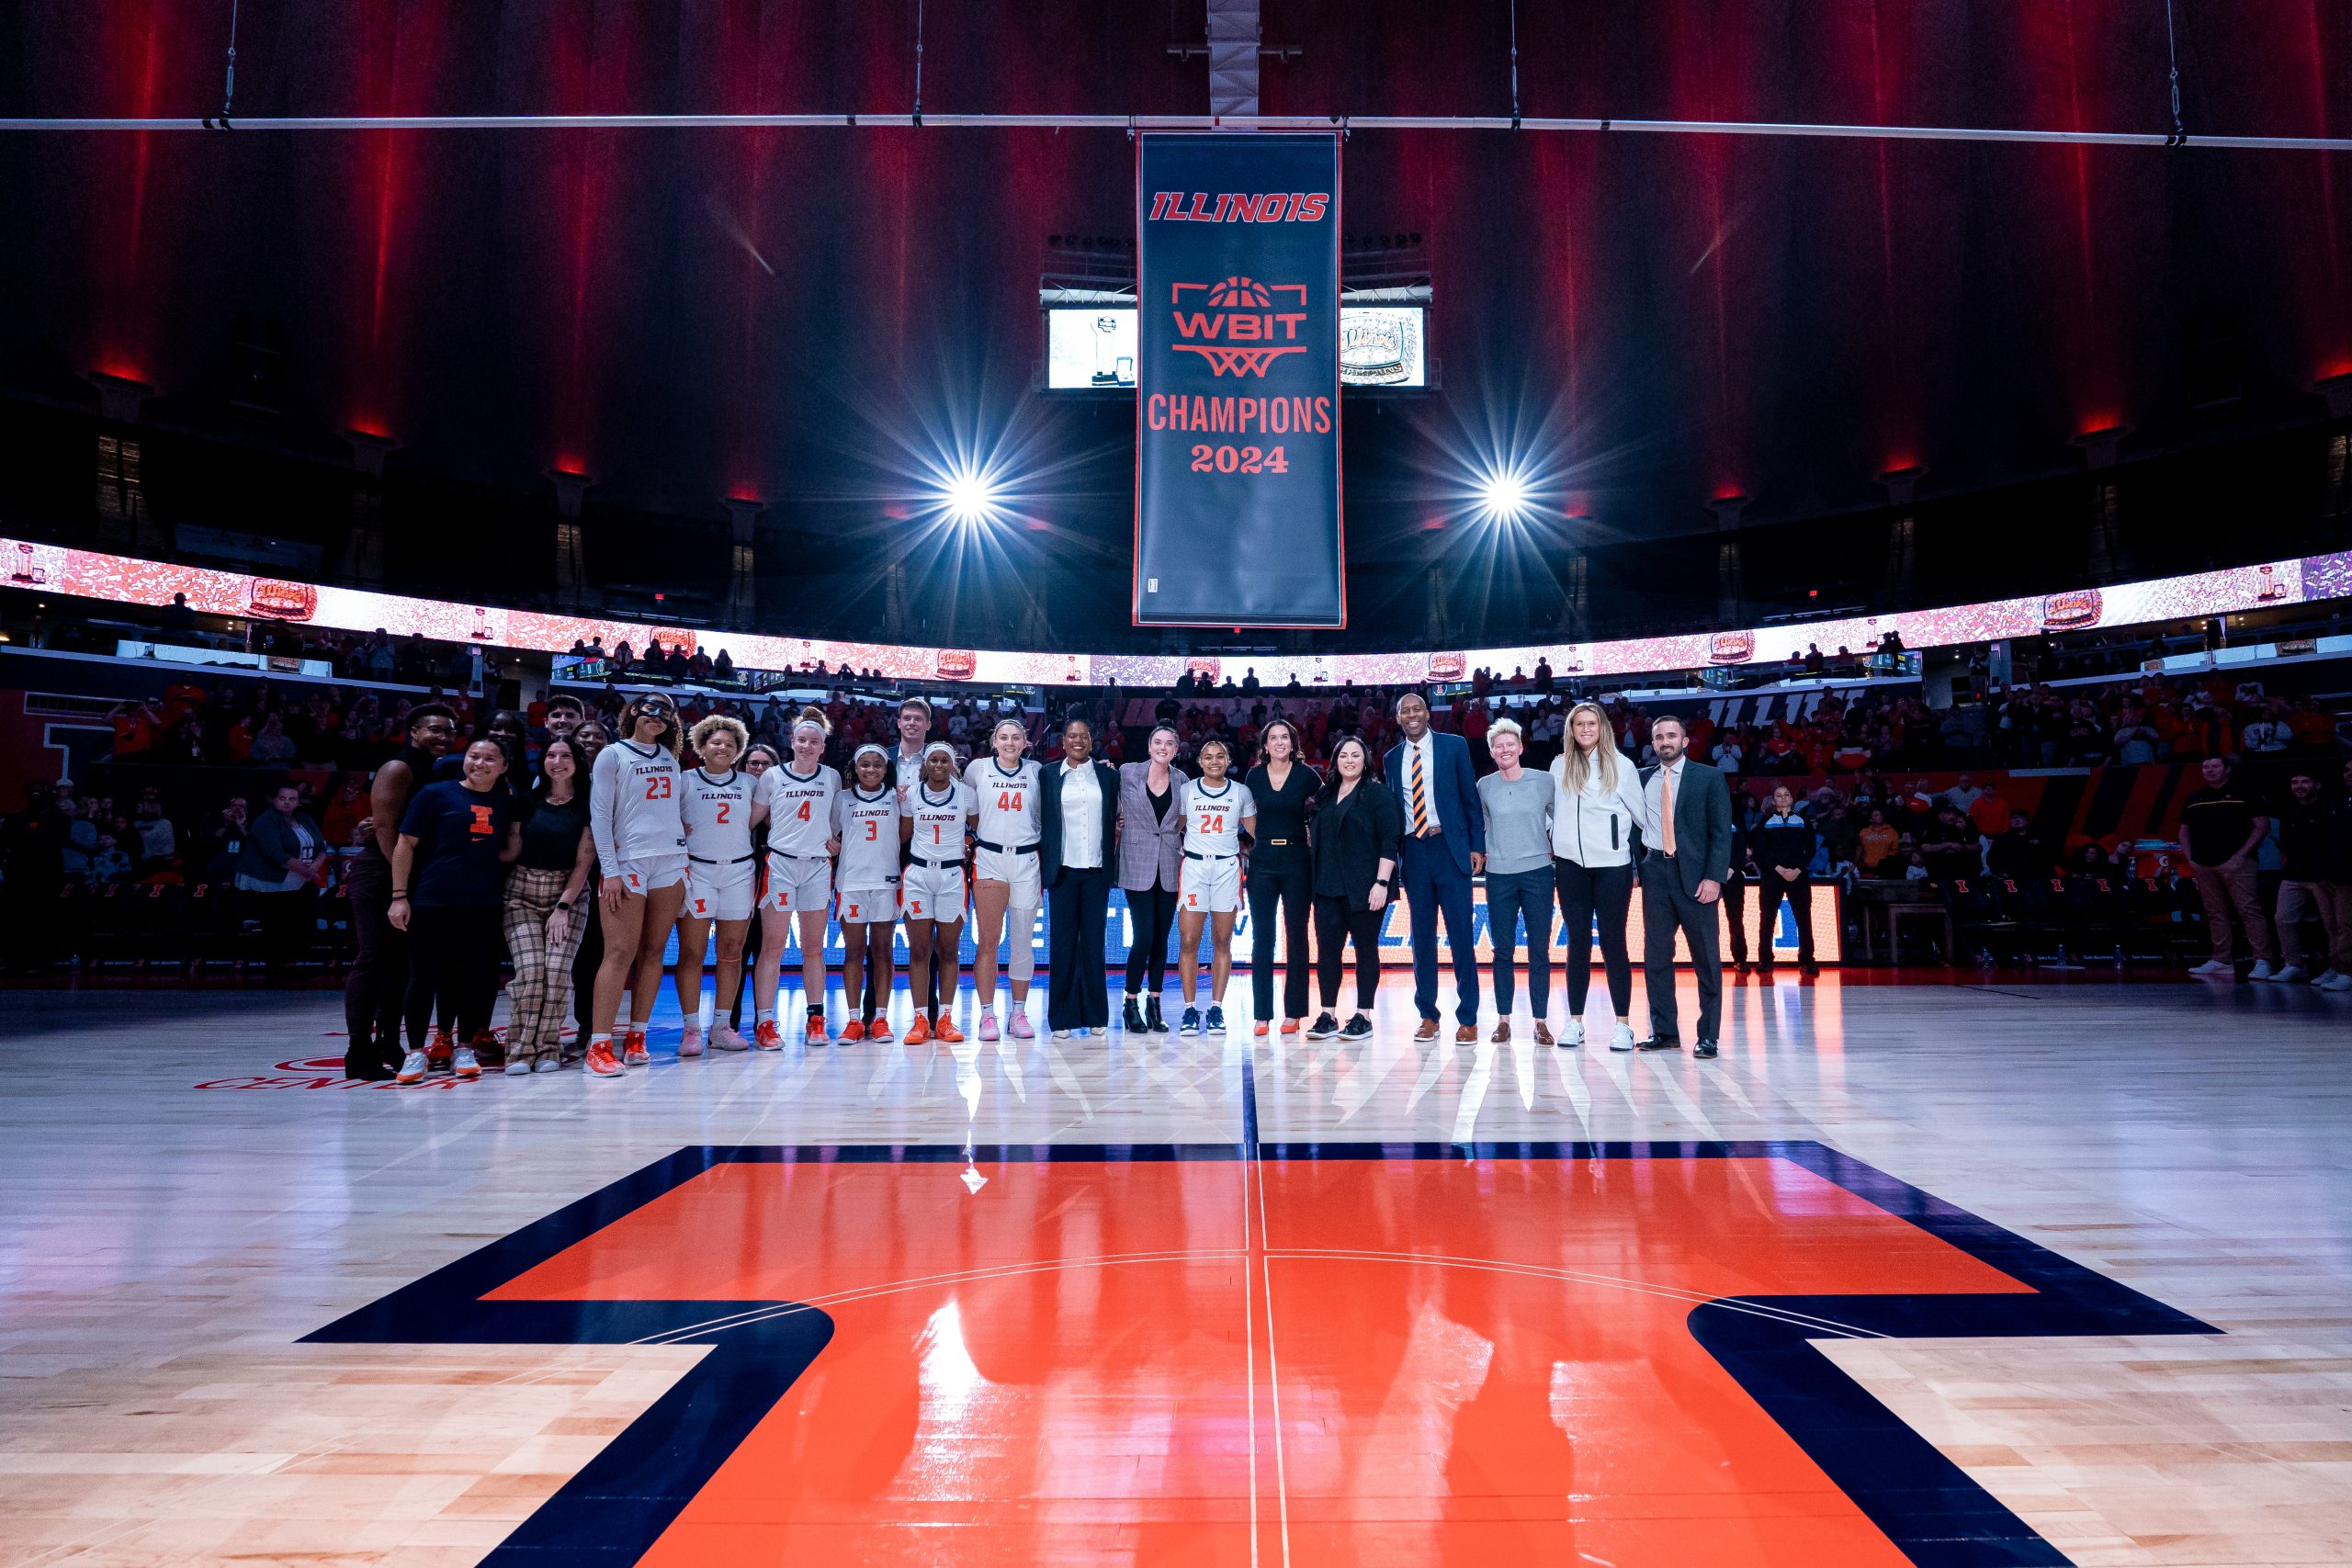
[(1337, 923), (1078, 993), (1799, 894), (375, 990), (1283, 882)]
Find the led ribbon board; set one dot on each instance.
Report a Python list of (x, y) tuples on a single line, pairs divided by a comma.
[(1237, 381)]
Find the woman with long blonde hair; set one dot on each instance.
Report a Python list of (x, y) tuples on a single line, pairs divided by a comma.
[(1597, 804)]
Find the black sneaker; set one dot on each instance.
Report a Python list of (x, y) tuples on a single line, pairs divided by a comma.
[(1359, 1027), (1152, 1020), (1133, 1017), (1323, 1028)]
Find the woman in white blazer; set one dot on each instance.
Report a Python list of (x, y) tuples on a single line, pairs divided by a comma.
[(1597, 804)]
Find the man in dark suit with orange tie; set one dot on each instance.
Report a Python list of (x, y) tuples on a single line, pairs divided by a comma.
[(1445, 846), (1686, 859)]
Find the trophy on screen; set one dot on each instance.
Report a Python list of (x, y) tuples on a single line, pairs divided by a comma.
[(1111, 369), (280, 601)]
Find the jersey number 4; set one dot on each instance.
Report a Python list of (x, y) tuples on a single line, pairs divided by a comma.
[(1008, 800), (803, 812)]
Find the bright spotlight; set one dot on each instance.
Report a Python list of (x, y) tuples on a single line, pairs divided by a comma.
[(970, 496), (1504, 493)]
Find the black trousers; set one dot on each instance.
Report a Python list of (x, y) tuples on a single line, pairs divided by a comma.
[(1336, 925), (1771, 890), (1666, 909), (452, 958), (589, 959), (374, 992), (1735, 913), (1153, 909), (1606, 891), (1077, 990), (1283, 882)]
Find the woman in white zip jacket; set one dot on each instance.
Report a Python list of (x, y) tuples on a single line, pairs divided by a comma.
[(1597, 804)]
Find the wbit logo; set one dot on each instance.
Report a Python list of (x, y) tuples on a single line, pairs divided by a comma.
[(1240, 334)]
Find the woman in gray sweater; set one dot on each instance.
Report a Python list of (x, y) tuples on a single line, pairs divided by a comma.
[(1518, 805)]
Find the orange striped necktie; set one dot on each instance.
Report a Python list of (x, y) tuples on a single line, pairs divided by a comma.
[(1419, 791)]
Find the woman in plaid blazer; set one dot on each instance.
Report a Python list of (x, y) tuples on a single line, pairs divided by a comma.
[(1151, 850)]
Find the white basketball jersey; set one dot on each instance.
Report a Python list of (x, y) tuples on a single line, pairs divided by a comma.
[(633, 805), (939, 821), (718, 815), (800, 809), (868, 827), (1007, 801), (1212, 819)]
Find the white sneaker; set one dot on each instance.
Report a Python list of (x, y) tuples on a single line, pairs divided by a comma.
[(2323, 977), (725, 1037), (1061, 1033), (550, 1062), (2292, 974), (1622, 1038), (518, 1066), (690, 1043), (988, 1025), (1018, 1026), (412, 1068), (1572, 1032), (2213, 967), (2261, 970), (2338, 982), (464, 1063)]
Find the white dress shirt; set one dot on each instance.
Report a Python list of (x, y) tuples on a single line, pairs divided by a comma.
[(908, 770), (1082, 817), (1426, 749)]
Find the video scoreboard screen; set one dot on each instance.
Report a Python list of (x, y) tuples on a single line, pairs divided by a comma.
[(1092, 348)]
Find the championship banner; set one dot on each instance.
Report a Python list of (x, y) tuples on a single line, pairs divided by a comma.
[(1237, 381)]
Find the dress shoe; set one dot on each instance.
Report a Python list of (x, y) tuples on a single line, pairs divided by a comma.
[(1426, 1031), (1659, 1043), (1502, 1032), (1705, 1050), (1466, 1034), (1543, 1032)]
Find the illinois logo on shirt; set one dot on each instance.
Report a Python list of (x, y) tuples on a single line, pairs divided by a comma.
[(1208, 1353)]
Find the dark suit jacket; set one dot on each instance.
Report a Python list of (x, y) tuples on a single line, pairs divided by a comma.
[(1354, 835), (1702, 825), (1049, 816), (1454, 787)]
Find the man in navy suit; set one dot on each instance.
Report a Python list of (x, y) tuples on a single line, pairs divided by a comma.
[(1445, 846)]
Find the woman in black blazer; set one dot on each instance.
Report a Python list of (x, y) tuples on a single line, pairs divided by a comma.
[(1356, 838), (1078, 876)]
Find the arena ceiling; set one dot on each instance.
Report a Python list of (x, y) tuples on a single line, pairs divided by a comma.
[(809, 317)]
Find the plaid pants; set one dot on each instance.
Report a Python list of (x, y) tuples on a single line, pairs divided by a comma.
[(541, 994)]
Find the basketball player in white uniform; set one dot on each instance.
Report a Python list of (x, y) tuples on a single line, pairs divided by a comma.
[(1217, 811), (634, 815), (1008, 881), (931, 894), (722, 803), (872, 831), (799, 798)]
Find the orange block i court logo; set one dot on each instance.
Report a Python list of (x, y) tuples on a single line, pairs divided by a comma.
[(1210, 1354)]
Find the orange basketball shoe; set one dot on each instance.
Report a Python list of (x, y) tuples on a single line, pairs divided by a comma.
[(945, 1032), (634, 1053), (852, 1031), (919, 1032)]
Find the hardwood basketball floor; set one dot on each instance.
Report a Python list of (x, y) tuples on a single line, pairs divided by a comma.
[(1447, 1304)]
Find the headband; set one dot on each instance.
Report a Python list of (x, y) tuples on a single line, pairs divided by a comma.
[(859, 755), (939, 746)]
